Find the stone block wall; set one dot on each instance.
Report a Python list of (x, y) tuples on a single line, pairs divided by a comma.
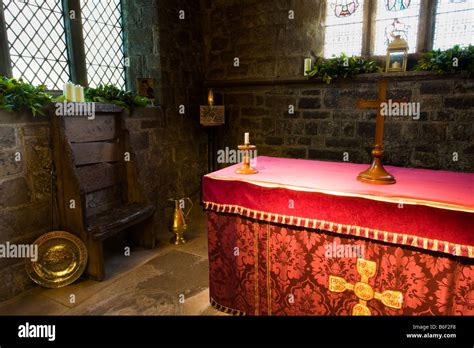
[(25, 191), (327, 125), (263, 35), (170, 163), (141, 40), (173, 154)]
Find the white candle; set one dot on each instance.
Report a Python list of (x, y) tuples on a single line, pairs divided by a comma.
[(79, 94), (246, 139), (68, 91), (396, 65), (307, 66)]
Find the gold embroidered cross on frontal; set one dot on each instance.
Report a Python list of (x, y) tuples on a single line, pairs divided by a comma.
[(363, 290)]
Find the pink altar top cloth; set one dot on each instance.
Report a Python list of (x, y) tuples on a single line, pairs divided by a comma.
[(429, 209)]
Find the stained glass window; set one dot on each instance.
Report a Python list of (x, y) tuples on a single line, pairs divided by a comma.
[(37, 41), (103, 40), (454, 23), (397, 5), (396, 17), (344, 22)]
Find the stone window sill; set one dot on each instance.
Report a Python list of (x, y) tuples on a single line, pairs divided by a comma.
[(400, 76)]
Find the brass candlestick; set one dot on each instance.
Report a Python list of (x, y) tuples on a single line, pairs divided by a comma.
[(246, 168)]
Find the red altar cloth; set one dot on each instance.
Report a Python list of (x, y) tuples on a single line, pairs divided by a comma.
[(268, 235), (428, 209), (261, 268)]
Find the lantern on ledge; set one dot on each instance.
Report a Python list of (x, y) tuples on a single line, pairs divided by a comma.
[(212, 115), (397, 53)]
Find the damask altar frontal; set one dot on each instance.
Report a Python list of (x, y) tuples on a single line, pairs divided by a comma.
[(269, 236)]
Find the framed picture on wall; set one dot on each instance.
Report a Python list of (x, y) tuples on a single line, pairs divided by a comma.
[(146, 88)]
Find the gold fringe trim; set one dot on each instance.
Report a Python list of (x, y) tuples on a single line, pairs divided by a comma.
[(391, 237), (225, 309)]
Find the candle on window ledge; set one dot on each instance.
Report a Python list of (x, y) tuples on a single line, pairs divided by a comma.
[(68, 91), (210, 97), (246, 139), (307, 66), (79, 93), (72, 96)]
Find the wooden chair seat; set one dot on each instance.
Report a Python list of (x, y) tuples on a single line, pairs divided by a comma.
[(104, 225)]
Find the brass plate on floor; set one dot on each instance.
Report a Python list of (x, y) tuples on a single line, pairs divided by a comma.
[(62, 258)]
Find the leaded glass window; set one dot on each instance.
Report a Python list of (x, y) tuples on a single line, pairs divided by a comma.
[(37, 42), (103, 40), (396, 17), (454, 23), (343, 28), (397, 5)]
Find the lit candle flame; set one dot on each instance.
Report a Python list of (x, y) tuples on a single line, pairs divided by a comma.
[(210, 97)]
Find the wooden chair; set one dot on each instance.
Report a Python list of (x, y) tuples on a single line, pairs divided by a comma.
[(98, 194)]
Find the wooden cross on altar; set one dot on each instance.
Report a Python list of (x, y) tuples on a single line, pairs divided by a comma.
[(376, 174)]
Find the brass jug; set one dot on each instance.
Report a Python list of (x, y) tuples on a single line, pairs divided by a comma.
[(179, 225)]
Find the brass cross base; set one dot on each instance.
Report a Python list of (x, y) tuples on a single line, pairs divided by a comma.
[(376, 174)]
